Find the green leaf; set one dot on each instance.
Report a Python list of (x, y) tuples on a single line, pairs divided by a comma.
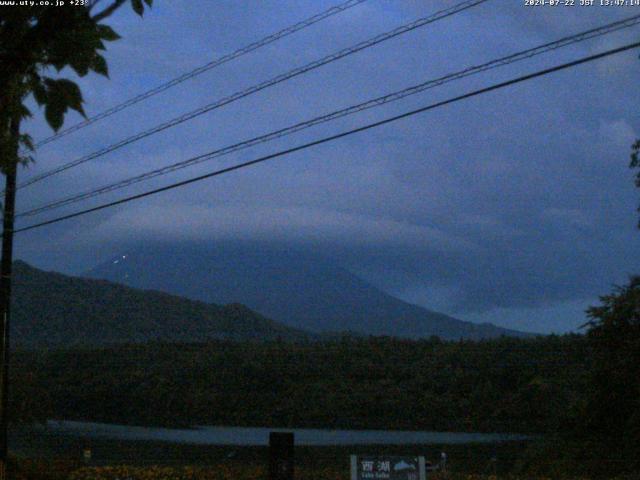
[(79, 64), (61, 95), (100, 66), (39, 93), (54, 115), (107, 33), (137, 6), (58, 64), (68, 92), (25, 112), (148, 2)]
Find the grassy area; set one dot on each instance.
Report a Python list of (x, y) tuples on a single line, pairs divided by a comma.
[(117, 460), (227, 471), (134, 460)]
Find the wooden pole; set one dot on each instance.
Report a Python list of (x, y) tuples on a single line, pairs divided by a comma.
[(281, 456), (6, 262)]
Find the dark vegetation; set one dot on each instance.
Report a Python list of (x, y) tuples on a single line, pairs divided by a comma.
[(601, 434), (509, 385)]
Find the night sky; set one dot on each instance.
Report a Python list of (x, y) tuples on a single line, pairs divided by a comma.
[(516, 207)]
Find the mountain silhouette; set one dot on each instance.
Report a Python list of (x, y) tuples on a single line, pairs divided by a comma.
[(292, 287), (54, 310)]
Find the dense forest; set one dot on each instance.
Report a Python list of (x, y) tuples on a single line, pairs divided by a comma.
[(508, 385)]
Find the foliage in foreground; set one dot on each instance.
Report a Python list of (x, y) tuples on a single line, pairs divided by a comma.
[(613, 410), (228, 472), (219, 472), (603, 434)]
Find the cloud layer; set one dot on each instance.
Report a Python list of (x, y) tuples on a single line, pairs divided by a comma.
[(516, 204)]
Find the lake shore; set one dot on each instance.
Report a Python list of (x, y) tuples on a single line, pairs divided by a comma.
[(259, 436), (48, 446)]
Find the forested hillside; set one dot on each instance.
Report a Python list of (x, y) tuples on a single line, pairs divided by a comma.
[(53, 310)]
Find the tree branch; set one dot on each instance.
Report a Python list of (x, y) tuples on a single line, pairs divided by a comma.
[(108, 11), (92, 4)]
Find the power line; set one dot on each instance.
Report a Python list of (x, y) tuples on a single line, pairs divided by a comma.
[(203, 68), (261, 86), (519, 56), (369, 126)]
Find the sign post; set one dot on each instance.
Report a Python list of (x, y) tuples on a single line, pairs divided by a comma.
[(387, 467), (280, 456)]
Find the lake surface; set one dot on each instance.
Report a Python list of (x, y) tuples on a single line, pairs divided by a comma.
[(241, 436)]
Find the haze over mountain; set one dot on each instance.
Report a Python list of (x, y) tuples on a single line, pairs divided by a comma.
[(297, 289), (55, 310)]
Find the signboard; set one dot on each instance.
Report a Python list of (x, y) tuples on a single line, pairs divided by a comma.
[(387, 467)]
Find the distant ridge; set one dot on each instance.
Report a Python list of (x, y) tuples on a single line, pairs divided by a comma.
[(54, 310), (293, 288)]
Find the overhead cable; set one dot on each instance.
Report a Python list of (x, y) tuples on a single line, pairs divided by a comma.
[(331, 138)]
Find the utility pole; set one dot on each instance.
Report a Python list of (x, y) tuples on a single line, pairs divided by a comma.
[(6, 262)]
